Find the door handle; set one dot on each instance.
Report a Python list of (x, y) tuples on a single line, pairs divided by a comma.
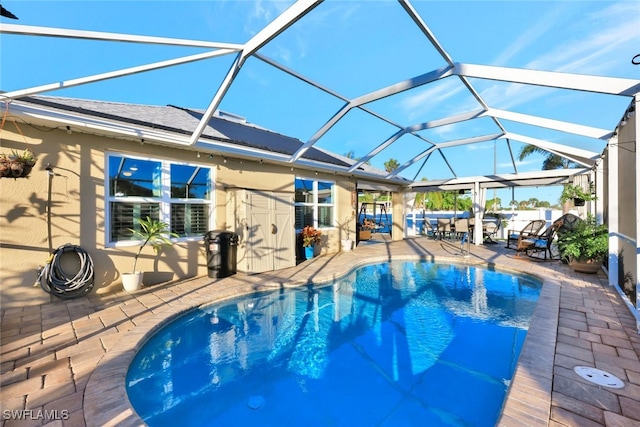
[(274, 229)]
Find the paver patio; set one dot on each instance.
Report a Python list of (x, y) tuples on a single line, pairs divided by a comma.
[(63, 363)]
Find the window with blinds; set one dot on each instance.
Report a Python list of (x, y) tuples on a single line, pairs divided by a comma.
[(314, 203), (123, 217), (176, 193), (189, 219)]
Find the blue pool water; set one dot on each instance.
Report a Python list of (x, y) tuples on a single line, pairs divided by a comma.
[(400, 344)]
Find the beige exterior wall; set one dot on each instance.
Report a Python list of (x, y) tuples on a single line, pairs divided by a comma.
[(626, 170), (78, 209)]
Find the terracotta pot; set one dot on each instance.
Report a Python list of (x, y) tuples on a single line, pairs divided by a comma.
[(589, 267)]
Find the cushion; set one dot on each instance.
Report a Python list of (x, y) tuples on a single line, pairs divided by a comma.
[(540, 243)]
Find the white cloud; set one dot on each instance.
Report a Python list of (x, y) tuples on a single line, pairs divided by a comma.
[(263, 13), (610, 32), (536, 31), (432, 96), (321, 19), (592, 46)]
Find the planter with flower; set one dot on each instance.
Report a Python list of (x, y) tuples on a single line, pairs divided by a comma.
[(17, 165), (310, 238)]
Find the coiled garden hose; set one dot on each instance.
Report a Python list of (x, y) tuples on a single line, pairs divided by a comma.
[(55, 281)]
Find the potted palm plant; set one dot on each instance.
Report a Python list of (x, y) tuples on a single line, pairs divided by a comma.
[(346, 242), (154, 233), (586, 247)]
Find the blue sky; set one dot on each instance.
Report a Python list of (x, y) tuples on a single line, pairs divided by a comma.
[(352, 48)]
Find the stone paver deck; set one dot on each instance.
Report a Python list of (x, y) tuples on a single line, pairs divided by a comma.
[(64, 363)]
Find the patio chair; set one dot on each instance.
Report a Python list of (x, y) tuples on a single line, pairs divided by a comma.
[(444, 227), (428, 229), (490, 228), (530, 230), (463, 232), (461, 226), (542, 243)]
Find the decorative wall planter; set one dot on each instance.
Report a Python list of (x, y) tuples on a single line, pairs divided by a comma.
[(15, 168), (17, 165)]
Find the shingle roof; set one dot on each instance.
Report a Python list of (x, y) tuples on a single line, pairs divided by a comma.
[(184, 121)]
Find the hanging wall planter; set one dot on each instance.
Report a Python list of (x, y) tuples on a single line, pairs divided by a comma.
[(17, 165), (578, 194)]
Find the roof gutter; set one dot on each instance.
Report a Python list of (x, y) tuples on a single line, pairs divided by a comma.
[(110, 128)]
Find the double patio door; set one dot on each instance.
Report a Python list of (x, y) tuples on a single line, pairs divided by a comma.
[(267, 234)]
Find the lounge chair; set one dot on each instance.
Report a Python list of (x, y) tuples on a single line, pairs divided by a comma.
[(529, 231)]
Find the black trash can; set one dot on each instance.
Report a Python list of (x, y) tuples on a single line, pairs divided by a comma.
[(222, 249)]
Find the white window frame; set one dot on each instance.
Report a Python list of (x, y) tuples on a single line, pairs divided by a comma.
[(164, 201), (315, 204)]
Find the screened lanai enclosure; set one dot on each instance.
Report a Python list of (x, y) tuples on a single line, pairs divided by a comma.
[(432, 85)]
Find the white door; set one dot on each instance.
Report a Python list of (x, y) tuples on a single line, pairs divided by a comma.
[(271, 235), (259, 246), (284, 233)]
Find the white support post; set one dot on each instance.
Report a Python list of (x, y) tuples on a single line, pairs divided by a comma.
[(636, 100), (413, 222), (478, 209), (599, 180), (613, 225)]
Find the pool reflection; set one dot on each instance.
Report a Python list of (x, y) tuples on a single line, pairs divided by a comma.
[(386, 332)]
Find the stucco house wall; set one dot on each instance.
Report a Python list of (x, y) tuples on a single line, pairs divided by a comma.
[(624, 222), (77, 208)]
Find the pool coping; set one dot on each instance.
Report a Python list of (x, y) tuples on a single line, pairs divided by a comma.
[(528, 399)]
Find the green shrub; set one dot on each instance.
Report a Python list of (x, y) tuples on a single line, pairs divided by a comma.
[(588, 241)]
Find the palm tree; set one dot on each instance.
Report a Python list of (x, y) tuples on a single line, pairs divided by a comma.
[(551, 161), (391, 165)]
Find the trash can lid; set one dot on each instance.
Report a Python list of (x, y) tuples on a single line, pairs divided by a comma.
[(221, 234)]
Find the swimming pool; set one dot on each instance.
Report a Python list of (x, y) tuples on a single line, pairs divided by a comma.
[(391, 344)]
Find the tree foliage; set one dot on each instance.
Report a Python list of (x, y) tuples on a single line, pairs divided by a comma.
[(550, 162), (443, 201), (391, 165)]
